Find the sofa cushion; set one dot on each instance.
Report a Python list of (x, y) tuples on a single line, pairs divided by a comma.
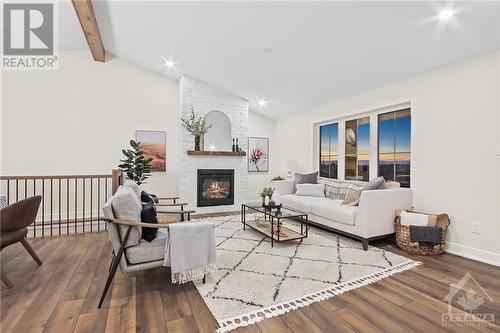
[(296, 202), (311, 190), (146, 251), (334, 210), (126, 206)]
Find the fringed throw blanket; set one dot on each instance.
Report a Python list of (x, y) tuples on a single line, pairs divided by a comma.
[(190, 251)]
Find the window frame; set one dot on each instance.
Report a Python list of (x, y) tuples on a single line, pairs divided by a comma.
[(394, 112), (338, 148)]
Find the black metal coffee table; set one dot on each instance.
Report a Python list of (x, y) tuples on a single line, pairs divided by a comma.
[(272, 223)]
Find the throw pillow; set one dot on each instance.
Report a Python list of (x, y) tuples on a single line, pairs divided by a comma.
[(133, 185), (126, 206), (154, 197), (306, 178), (344, 189), (148, 215), (352, 198), (311, 190), (146, 197), (332, 191), (392, 184), (374, 184)]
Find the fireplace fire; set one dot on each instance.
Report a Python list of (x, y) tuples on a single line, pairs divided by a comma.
[(217, 190), (215, 187)]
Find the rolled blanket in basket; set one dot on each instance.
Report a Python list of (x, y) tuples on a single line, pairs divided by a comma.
[(429, 235), (190, 251)]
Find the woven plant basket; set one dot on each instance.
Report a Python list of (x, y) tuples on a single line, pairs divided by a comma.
[(403, 236)]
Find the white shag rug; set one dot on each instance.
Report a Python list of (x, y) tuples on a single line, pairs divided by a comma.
[(256, 281)]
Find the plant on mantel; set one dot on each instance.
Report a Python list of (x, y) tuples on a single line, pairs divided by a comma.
[(197, 126), (136, 166)]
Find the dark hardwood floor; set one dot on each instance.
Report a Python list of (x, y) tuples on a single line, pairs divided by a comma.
[(62, 296)]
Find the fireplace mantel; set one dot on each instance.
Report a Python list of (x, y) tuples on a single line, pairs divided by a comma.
[(215, 153)]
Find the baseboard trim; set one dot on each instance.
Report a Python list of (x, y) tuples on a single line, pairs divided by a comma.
[(474, 254)]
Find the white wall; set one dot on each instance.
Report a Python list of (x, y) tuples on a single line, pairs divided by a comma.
[(77, 119), (262, 126), (455, 138)]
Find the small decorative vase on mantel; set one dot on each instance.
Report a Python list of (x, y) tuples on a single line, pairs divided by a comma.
[(197, 140), (196, 126)]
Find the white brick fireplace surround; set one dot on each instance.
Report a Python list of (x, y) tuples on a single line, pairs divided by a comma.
[(205, 98)]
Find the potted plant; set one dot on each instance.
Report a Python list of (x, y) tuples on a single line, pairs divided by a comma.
[(267, 192), (196, 126), (136, 166)]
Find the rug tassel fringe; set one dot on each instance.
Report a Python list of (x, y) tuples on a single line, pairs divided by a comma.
[(250, 318)]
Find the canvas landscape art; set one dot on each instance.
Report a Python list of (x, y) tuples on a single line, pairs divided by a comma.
[(258, 154), (153, 144)]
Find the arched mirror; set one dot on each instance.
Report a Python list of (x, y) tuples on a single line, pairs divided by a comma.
[(218, 136)]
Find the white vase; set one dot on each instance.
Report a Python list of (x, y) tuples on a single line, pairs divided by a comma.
[(276, 197), (266, 200)]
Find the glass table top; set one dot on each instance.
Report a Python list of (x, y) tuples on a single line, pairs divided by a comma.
[(284, 212)]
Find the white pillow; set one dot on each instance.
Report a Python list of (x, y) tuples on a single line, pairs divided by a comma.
[(126, 206), (414, 219), (310, 190), (133, 185)]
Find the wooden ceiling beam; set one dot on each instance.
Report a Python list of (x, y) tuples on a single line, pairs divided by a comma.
[(86, 16)]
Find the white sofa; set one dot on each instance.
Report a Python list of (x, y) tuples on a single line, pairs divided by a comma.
[(373, 218)]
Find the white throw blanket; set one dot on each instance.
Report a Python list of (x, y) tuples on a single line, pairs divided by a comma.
[(414, 219), (190, 251)]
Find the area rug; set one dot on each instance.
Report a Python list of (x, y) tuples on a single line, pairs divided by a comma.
[(256, 281)]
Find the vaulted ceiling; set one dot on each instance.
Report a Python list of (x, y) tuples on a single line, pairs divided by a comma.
[(296, 55)]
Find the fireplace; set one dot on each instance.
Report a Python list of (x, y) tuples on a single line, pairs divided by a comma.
[(215, 187)]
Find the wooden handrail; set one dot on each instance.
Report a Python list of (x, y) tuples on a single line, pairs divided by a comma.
[(54, 177)]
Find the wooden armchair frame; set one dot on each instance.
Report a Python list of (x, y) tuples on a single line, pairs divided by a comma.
[(184, 214), (117, 257)]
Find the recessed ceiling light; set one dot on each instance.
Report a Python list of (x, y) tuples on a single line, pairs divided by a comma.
[(262, 103), (169, 63), (445, 14)]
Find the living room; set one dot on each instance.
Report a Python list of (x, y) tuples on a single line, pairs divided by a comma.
[(328, 166)]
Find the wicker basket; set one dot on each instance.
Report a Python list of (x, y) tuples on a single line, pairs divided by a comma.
[(403, 236)]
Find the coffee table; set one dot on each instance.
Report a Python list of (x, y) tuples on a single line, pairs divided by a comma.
[(275, 230)]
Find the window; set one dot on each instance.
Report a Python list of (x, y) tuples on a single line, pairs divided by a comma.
[(394, 135), (357, 149), (329, 148)]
